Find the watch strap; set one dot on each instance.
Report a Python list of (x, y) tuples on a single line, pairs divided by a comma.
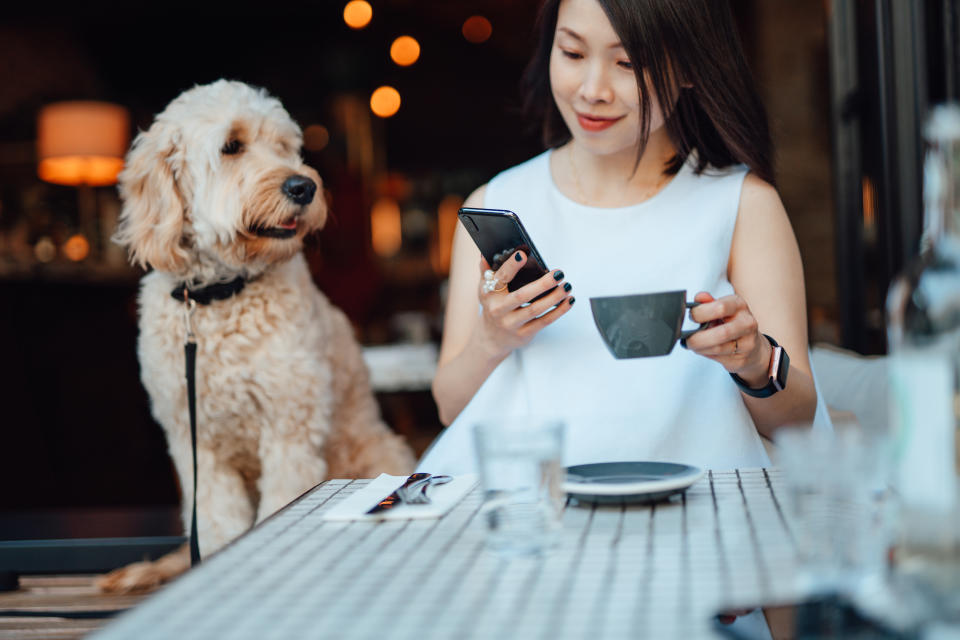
[(778, 376)]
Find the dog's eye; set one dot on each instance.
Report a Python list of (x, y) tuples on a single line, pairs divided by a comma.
[(232, 148)]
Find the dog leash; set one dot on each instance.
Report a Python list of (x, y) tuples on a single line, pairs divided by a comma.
[(191, 298), (190, 353)]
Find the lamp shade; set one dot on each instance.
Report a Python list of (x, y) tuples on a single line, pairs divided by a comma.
[(82, 142)]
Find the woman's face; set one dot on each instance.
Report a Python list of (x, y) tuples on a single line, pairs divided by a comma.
[(593, 81)]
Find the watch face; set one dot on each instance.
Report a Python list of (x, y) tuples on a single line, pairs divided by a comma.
[(781, 363)]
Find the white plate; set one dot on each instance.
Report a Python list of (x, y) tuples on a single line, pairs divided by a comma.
[(618, 482)]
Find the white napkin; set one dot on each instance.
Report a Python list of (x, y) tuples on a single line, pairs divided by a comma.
[(442, 498)]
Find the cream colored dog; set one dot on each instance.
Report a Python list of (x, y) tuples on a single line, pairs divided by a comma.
[(215, 193)]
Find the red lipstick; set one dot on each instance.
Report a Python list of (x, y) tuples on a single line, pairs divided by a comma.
[(595, 123)]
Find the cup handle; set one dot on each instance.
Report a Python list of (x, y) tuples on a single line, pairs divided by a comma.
[(689, 332)]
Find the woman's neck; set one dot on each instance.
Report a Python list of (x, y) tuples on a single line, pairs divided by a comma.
[(613, 180)]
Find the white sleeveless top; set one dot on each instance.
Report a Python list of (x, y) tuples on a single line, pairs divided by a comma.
[(678, 408)]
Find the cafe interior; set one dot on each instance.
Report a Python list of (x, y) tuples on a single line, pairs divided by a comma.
[(406, 106)]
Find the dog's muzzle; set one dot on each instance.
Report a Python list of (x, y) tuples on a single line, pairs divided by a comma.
[(299, 189)]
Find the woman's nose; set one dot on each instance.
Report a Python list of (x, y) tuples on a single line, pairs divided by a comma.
[(596, 85)]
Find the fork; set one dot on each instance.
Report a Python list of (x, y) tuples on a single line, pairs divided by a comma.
[(416, 493)]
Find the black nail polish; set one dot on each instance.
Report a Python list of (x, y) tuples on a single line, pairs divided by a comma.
[(572, 300), (567, 286), (518, 256), (558, 275)]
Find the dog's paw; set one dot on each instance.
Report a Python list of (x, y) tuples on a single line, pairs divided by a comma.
[(137, 577)]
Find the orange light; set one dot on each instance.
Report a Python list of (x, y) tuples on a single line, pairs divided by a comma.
[(315, 137), (405, 50), (446, 226), (357, 14), (76, 170), (869, 203), (76, 248), (386, 227), (385, 101), (477, 29), (82, 142)]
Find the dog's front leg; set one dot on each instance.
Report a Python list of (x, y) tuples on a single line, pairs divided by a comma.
[(289, 467), (224, 508)]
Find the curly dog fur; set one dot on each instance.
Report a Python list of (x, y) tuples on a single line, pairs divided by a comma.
[(283, 396)]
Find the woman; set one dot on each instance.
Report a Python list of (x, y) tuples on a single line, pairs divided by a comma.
[(658, 177)]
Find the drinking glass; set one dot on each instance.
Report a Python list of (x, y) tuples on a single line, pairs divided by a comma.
[(838, 500), (521, 474)]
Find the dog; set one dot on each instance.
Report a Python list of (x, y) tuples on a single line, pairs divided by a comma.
[(217, 200)]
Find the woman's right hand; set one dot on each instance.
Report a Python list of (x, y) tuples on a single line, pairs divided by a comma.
[(506, 323)]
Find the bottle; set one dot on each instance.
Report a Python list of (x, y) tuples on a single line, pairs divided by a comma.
[(923, 330)]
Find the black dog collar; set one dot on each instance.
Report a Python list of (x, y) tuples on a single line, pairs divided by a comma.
[(211, 292)]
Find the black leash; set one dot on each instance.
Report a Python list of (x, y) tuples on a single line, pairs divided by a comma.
[(191, 298), (190, 357)]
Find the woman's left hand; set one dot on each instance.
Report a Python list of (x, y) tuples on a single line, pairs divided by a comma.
[(733, 338)]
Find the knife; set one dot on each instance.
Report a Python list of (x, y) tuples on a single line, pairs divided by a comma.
[(394, 498)]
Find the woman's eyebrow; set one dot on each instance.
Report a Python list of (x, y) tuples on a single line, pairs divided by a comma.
[(573, 34)]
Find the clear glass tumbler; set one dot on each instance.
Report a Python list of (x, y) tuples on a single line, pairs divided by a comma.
[(521, 473)]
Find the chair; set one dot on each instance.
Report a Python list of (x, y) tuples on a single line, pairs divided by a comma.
[(851, 383)]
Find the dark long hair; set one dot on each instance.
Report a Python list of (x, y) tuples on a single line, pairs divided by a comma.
[(693, 42)]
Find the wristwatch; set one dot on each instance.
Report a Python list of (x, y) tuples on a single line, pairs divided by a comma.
[(779, 365)]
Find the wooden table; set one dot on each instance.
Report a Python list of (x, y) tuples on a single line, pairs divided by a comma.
[(658, 571)]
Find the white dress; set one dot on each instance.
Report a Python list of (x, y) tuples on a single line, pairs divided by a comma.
[(678, 408)]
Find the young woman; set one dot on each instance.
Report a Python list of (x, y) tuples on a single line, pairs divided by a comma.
[(658, 177)]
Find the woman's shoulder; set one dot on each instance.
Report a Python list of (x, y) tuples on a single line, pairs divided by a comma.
[(518, 176), (757, 196), (524, 172)]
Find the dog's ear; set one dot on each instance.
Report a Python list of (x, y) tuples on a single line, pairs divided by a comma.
[(152, 219)]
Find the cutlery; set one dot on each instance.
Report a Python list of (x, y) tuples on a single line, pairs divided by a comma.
[(416, 493), (397, 496)]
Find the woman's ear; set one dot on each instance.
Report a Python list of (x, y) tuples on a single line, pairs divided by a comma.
[(152, 219)]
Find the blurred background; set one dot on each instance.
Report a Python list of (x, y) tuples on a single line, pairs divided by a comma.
[(407, 106)]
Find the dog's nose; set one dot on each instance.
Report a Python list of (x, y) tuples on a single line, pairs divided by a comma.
[(300, 189)]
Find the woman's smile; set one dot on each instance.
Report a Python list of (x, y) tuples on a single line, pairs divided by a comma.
[(596, 123)]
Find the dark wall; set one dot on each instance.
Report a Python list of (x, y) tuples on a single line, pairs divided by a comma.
[(76, 424)]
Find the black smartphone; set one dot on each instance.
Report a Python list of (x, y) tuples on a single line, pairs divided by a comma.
[(499, 234)]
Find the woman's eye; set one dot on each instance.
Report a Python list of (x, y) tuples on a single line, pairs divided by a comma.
[(232, 148), (625, 64), (573, 55)]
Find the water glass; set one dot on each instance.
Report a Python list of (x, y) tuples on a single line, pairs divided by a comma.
[(521, 473), (838, 501)]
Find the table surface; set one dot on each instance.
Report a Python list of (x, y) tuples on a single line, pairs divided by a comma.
[(619, 571)]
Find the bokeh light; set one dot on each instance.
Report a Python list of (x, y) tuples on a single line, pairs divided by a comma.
[(385, 101), (447, 221), (315, 137), (405, 50), (357, 14), (477, 29), (45, 250), (76, 248), (386, 227)]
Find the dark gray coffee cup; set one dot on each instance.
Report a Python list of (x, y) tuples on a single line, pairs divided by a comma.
[(642, 325)]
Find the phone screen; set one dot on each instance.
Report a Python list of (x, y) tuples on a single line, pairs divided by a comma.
[(499, 234)]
